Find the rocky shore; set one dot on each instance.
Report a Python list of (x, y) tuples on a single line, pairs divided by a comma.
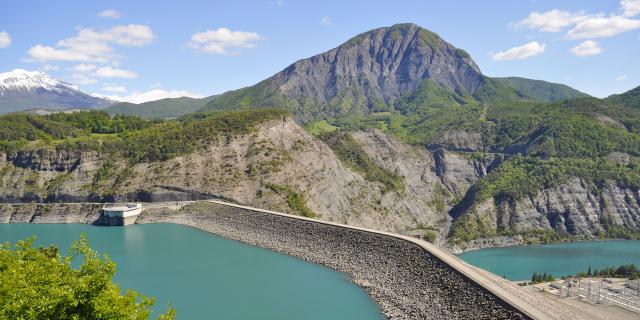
[(405, 281)]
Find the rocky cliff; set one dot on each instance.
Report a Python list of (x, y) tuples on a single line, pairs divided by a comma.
[(280, 162), (574, 210), (265, 168)]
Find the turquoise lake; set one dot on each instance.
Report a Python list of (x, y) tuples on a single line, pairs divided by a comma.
[(208, 277), (519, 263)]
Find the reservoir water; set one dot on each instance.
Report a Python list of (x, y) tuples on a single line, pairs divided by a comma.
[(519, 263), (208, 277)]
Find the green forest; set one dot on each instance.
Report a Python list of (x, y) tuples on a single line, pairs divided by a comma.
[(134, 138)]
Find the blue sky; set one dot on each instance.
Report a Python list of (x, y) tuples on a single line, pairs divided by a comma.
[(128, 48)]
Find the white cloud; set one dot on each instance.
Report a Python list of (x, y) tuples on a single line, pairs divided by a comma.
[(5, 39), (622, 77), (586, 49), (110, 14), (602, 27), (113, 88), (83, 67), (326, 21), (43, 53), (586, 25), (630, 8), (551, 21), (152, 95), (524, 51), (90, 45), (279, 3), (50, 67), (81, 78), (221, 40), (109, 72)]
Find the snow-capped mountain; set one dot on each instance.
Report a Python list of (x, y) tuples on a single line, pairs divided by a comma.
[(21, 90)]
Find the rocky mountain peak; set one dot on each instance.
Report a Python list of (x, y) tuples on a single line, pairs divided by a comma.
[(22, 89), (20, 81), (381, 65)]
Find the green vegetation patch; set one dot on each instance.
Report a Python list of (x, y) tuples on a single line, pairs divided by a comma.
[(320, 127), (353, 156), (295, 199), (541, 90), (39, 283), (134, 138), (624, 271)]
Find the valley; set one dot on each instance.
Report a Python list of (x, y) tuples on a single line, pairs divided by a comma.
[(461, 159)]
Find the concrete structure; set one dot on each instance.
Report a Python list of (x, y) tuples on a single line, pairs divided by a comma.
[(120, 214)]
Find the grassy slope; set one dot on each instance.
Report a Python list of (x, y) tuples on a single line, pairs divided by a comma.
[(542, 91), (630, 99)]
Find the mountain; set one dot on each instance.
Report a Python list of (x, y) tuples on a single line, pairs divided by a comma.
[(160, 109), (440, 150), (630, 98), (374, 70), (21, 89), (366, 73), (542, 90)]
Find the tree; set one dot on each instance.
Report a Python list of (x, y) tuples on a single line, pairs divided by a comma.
[(535, 278), (39, 283)]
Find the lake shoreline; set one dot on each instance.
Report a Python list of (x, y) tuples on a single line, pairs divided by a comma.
[(400, 277), (380, 265), (403, 278), (513, 243), (518, 263)]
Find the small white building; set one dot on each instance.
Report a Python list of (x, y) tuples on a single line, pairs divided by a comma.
[(120, 214)]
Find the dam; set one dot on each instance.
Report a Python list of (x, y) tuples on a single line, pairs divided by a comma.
[(408, 278), (120, 214)]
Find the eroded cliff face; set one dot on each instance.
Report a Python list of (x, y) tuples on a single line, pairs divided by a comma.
[(575, 209), (264, 169), (249, 169)]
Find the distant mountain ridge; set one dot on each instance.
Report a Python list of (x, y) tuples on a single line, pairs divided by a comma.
[(368, 72), (21, 89), (540, 90), (629, 99), (373, 70), (161, 109)]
